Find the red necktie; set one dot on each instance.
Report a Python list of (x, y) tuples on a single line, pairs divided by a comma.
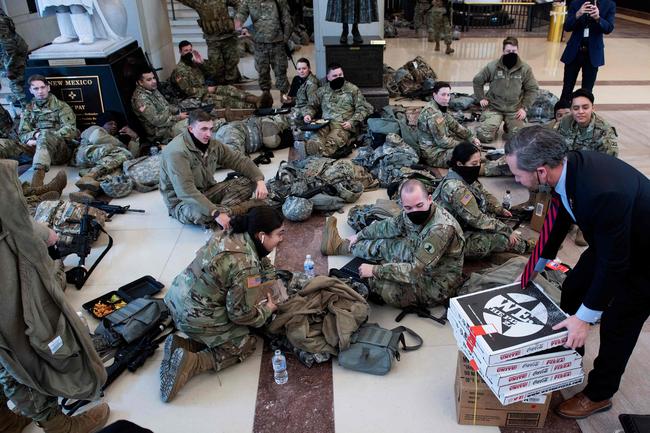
[(543, 238)]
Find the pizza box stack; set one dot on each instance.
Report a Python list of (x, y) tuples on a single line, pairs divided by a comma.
[(506, 334)]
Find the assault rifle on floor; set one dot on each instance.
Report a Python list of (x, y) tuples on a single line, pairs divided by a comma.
[(113, 209)]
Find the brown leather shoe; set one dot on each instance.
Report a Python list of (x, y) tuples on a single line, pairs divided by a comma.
[(580, 406)]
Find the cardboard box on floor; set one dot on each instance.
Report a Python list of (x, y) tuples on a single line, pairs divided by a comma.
[(477, 405), (542, 200)]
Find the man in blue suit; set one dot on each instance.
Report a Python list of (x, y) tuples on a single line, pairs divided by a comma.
[(588, 20)]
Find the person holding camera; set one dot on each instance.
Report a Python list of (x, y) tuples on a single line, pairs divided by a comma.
[(588, 20)]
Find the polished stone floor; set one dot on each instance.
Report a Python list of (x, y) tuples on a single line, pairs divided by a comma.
[(417, 395)]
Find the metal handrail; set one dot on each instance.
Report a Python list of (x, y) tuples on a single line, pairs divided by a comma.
[(173, 10)]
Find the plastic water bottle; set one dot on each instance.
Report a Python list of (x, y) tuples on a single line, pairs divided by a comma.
[(153, 150), (83, 320), (507, 200), (309, 267), (280, 373)]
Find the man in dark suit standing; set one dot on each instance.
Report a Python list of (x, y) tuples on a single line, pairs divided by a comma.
[(611, 281), (588, 20)]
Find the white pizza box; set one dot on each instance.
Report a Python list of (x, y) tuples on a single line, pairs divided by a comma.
[(531, 392), (508, 322), (530, 385), (532, 374)]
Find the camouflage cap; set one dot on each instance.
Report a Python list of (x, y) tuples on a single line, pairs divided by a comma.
[(117, 186), (297, 208), (349, 190)]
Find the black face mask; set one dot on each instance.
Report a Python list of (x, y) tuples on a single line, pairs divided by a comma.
[(509, 60), (188, 59), (259, 247), (443, 108), (469, 174), (418, 217), (337, 83)]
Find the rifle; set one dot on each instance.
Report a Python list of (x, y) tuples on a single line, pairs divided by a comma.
[(81, 244), (113, 209)]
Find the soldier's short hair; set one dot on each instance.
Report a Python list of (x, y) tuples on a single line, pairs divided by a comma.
[(198, 115), (37, 77), (141, 71), (560, 105), (304, 60), (510, 40), (182, 44), (333, 66), (536, 146), (411, 185), (582, 93), (440, 85), (462, 153)]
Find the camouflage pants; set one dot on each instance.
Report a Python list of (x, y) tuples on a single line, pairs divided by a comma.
[(421, 16), (434, 156), (230, 352), (103, 158), (28, 402), (491, 121), (228, 97), (439, 26), (15, 66), (267, 56), (223, 58), (10, 148), (228, 193), (481, 244), (498, 167), (328, 140), (51, 149)]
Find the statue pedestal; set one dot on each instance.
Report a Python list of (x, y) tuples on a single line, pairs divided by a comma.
[(363, 65), (91, 79)]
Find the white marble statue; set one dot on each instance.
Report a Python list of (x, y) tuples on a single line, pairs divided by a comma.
[(86, 20)]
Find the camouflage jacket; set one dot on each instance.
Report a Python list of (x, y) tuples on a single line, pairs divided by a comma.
[(97, 136), (437, 249), (439, 129), (510, 89), (51, 115), (344, 104), (307, 94), (6, 125), (598, 136), (189, 80), (185, 172), (11, 43), (211, 299), (213, 16), (472, 205), (156, 115), (267, 20)]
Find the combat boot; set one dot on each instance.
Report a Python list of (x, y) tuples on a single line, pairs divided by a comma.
[(88, 182), (345, 29), (266, 100), (57, 184), (173, 342), (437, 48), (252, 99), (38, 177), (432, 38), (84, 196), (449, 49), (11, 422), (90, 421), (356, 36), (183, 366), (332, 243)]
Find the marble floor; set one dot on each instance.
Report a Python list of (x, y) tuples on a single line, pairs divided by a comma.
[(417, 395)]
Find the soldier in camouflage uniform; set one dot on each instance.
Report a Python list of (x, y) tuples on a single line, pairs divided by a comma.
[(187, 183), (10, 147), (219, 34), (584, 129), (273, 29), (438, 131), (161, 120), (562, 108), (48, 126), (475, 209), (513, 89), (421, 250), (104, 148), (303, 89), (343, 104), (432, 14), (217, 298), (190, 81), (13, 53), (250, 135)]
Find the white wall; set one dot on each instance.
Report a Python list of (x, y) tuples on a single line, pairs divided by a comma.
[(326, 28), (151, 28)]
